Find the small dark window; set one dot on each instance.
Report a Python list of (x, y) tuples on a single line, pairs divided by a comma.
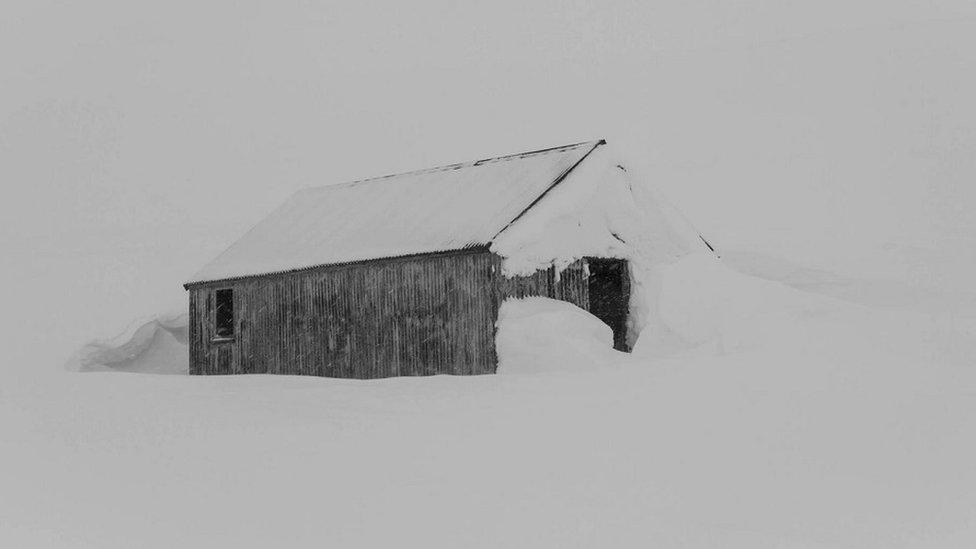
[(224, 313)]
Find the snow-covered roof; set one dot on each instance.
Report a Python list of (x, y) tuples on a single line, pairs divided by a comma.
[(438, 209)]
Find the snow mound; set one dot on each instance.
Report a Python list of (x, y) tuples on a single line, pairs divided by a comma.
[(699, 303), (156, 346), (538, 334)]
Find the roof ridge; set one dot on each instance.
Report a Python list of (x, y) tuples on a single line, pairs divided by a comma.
[(455, 166), (552, 185)]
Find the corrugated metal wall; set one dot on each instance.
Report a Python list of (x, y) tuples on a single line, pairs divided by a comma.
[(569, 285), (422, 315), (416, 316)]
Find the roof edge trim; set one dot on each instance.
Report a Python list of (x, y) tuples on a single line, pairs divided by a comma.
[(479, 248)]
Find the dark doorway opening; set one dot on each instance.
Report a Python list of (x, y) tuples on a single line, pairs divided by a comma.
[(609, 288)]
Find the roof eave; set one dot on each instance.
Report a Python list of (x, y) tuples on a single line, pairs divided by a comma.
[(474, 248)]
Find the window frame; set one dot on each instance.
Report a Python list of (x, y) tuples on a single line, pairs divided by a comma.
[(220, 328)]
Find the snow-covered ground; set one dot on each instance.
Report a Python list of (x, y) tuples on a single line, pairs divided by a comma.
[(824, 396), (788, 414)]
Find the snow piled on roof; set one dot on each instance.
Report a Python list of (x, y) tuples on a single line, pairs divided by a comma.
[(446, 208), (601, 210), (598, 210)]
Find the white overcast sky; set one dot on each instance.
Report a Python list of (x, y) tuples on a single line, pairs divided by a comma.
[(137, 139)]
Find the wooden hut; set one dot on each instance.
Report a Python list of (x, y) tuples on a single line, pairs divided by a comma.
[(391, 276)]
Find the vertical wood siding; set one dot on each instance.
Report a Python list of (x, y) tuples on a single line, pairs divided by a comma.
[(394, 317), (397, 317), (569, 285)]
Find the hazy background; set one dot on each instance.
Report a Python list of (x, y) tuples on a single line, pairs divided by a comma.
[(138, 139)]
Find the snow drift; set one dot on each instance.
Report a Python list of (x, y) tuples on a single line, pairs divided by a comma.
[(156, 346), (538, 334), (700, 303)]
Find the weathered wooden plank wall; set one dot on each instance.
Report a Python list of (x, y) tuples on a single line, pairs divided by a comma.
[(398, 317), (569, 285)]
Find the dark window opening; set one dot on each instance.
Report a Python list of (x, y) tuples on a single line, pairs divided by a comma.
[(224, 313), (609, 288)]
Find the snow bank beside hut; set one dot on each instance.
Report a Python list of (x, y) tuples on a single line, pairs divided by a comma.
[(702, 304), (538, 334), (154, 346)]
